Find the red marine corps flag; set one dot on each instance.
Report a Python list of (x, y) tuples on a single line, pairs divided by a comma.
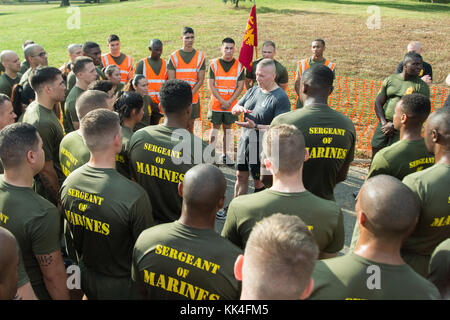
[(250, 41)]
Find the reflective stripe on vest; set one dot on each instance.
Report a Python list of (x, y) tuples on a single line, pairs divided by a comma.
[(225, 83), (188, 72), (329, 64), (154, 81), (303, 65), (125, 67)]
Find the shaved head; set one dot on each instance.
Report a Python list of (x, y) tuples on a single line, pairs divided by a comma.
[(155, 43), (7, 55), (415, 46), (91, 100), (284, 146), (203, 187), (391, 208), (10, 60), (279, 258), (9, 259), (438, 125)]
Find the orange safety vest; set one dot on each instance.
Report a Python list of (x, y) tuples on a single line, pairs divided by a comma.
[(225, 83), (126, 67), (155, 81), (188, 72), (303, 65)]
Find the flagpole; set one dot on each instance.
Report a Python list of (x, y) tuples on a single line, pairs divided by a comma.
[(255, 48)]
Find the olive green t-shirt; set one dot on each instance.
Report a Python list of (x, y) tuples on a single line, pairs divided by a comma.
[(6, 83), (330, 140), (70, 113), (24, 66), (175, 261), (35, 222), (352, 277), (394, 88), (323, 217), (282, 75), (25, 76), (73, 152), (439, 269), (106, 213), (122, 164), (148, 106), (226, 65), (159, 157), (119, 88), (23, 278), (402, 158), (156, 66), (72, 78), (432, 187), (51, 132), (187, 57)]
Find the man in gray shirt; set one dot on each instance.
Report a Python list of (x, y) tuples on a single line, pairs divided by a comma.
[(259, 105)]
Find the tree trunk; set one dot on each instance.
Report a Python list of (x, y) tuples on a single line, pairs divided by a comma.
[(237, 4), (65, 3)]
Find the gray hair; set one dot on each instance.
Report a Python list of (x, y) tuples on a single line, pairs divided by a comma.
[(73, 47)]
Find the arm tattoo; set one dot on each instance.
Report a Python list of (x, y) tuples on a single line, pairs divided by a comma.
[(45, 260), (49, 187)]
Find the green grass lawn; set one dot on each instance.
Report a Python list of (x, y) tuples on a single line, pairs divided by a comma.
[(357, 51)]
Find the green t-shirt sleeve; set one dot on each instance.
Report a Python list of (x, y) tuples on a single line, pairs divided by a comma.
[(284, 76), (211, 73), (71, 111), (351, 152), (339, 236), (384, 86), (379, 166), (170, 65), (139, 68), (45, 232), (439, 266), (100, 74), (425, 90), (47, 142), (230, 230), (242, 76), (203, 67), (23, 276), (251, 74), (71, 80), (141, 215), (414, 185), (5, 88), (134, 268)]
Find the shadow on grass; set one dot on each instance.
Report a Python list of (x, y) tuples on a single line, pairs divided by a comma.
[(261, 10), (286, 11), (418, 7)]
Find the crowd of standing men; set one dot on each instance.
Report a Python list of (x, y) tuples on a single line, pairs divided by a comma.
[(92, 177)]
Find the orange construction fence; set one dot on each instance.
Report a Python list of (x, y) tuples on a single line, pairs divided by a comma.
[(353, 97)]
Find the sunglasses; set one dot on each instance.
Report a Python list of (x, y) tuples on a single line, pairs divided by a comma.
[(42, 54)]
